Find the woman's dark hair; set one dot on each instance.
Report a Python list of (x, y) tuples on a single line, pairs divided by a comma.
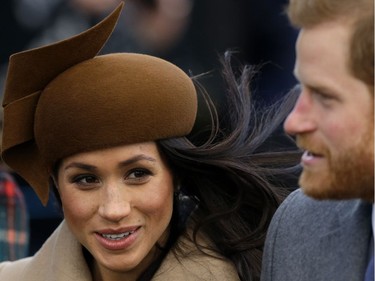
[(236, 175)]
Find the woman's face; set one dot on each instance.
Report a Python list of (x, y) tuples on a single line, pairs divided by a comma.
[(118, 203)]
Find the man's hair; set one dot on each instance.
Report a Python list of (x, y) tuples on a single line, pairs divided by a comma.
[(357, 13)]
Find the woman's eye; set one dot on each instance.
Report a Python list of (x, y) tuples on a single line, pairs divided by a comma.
[(138, 175), (86, 180)]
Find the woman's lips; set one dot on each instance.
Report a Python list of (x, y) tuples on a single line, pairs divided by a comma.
[(115, 240), (117, 236)]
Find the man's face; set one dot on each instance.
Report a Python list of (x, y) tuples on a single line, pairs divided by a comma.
[(333, 119)]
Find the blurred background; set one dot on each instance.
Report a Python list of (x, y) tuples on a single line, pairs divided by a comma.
[(192, 34)]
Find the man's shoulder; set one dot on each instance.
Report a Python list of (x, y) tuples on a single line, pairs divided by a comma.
[(303, 218), (298, 204), (310, 216), (308, 231)]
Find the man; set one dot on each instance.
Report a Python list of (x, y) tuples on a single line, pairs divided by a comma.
[(323, 230)]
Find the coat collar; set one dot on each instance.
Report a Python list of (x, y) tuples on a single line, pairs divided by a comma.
[(61, 257)]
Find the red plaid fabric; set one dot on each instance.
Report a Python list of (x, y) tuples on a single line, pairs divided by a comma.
[(13, 220)]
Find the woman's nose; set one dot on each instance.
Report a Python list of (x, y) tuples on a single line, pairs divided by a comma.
[(115, 203)]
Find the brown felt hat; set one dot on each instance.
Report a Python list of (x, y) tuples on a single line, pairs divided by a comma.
[(63, 99)]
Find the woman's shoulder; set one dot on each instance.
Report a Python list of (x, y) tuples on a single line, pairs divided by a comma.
[(30, 268), (187, 263), (34, 266), (60, 256), (13, 270)]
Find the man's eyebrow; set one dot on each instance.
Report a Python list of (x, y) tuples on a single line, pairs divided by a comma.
[(320, 89), (313, 87)]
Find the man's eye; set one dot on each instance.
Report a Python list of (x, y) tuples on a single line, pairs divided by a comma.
[(323, 98)]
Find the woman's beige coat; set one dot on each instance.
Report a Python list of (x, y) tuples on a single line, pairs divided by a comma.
[(61, 259)]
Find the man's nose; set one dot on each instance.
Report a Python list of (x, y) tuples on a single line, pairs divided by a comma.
[(300, 119)]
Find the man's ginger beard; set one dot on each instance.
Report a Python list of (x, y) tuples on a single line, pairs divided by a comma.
[(348, 175)]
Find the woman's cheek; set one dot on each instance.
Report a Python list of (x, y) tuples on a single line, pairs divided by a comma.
[(77, 205)]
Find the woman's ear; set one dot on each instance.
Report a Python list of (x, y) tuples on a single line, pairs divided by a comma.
[(176, 184)]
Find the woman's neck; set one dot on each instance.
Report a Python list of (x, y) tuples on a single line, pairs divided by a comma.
[(102, 273)]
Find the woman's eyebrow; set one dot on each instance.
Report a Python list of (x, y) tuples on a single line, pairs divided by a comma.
[(81, 166), (136, 159), (127, 162)]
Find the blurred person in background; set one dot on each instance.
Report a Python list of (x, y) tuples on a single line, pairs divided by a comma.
[(14, 227), (191, 34)]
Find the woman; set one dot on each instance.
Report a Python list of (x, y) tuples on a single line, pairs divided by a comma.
[(143, 199)]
